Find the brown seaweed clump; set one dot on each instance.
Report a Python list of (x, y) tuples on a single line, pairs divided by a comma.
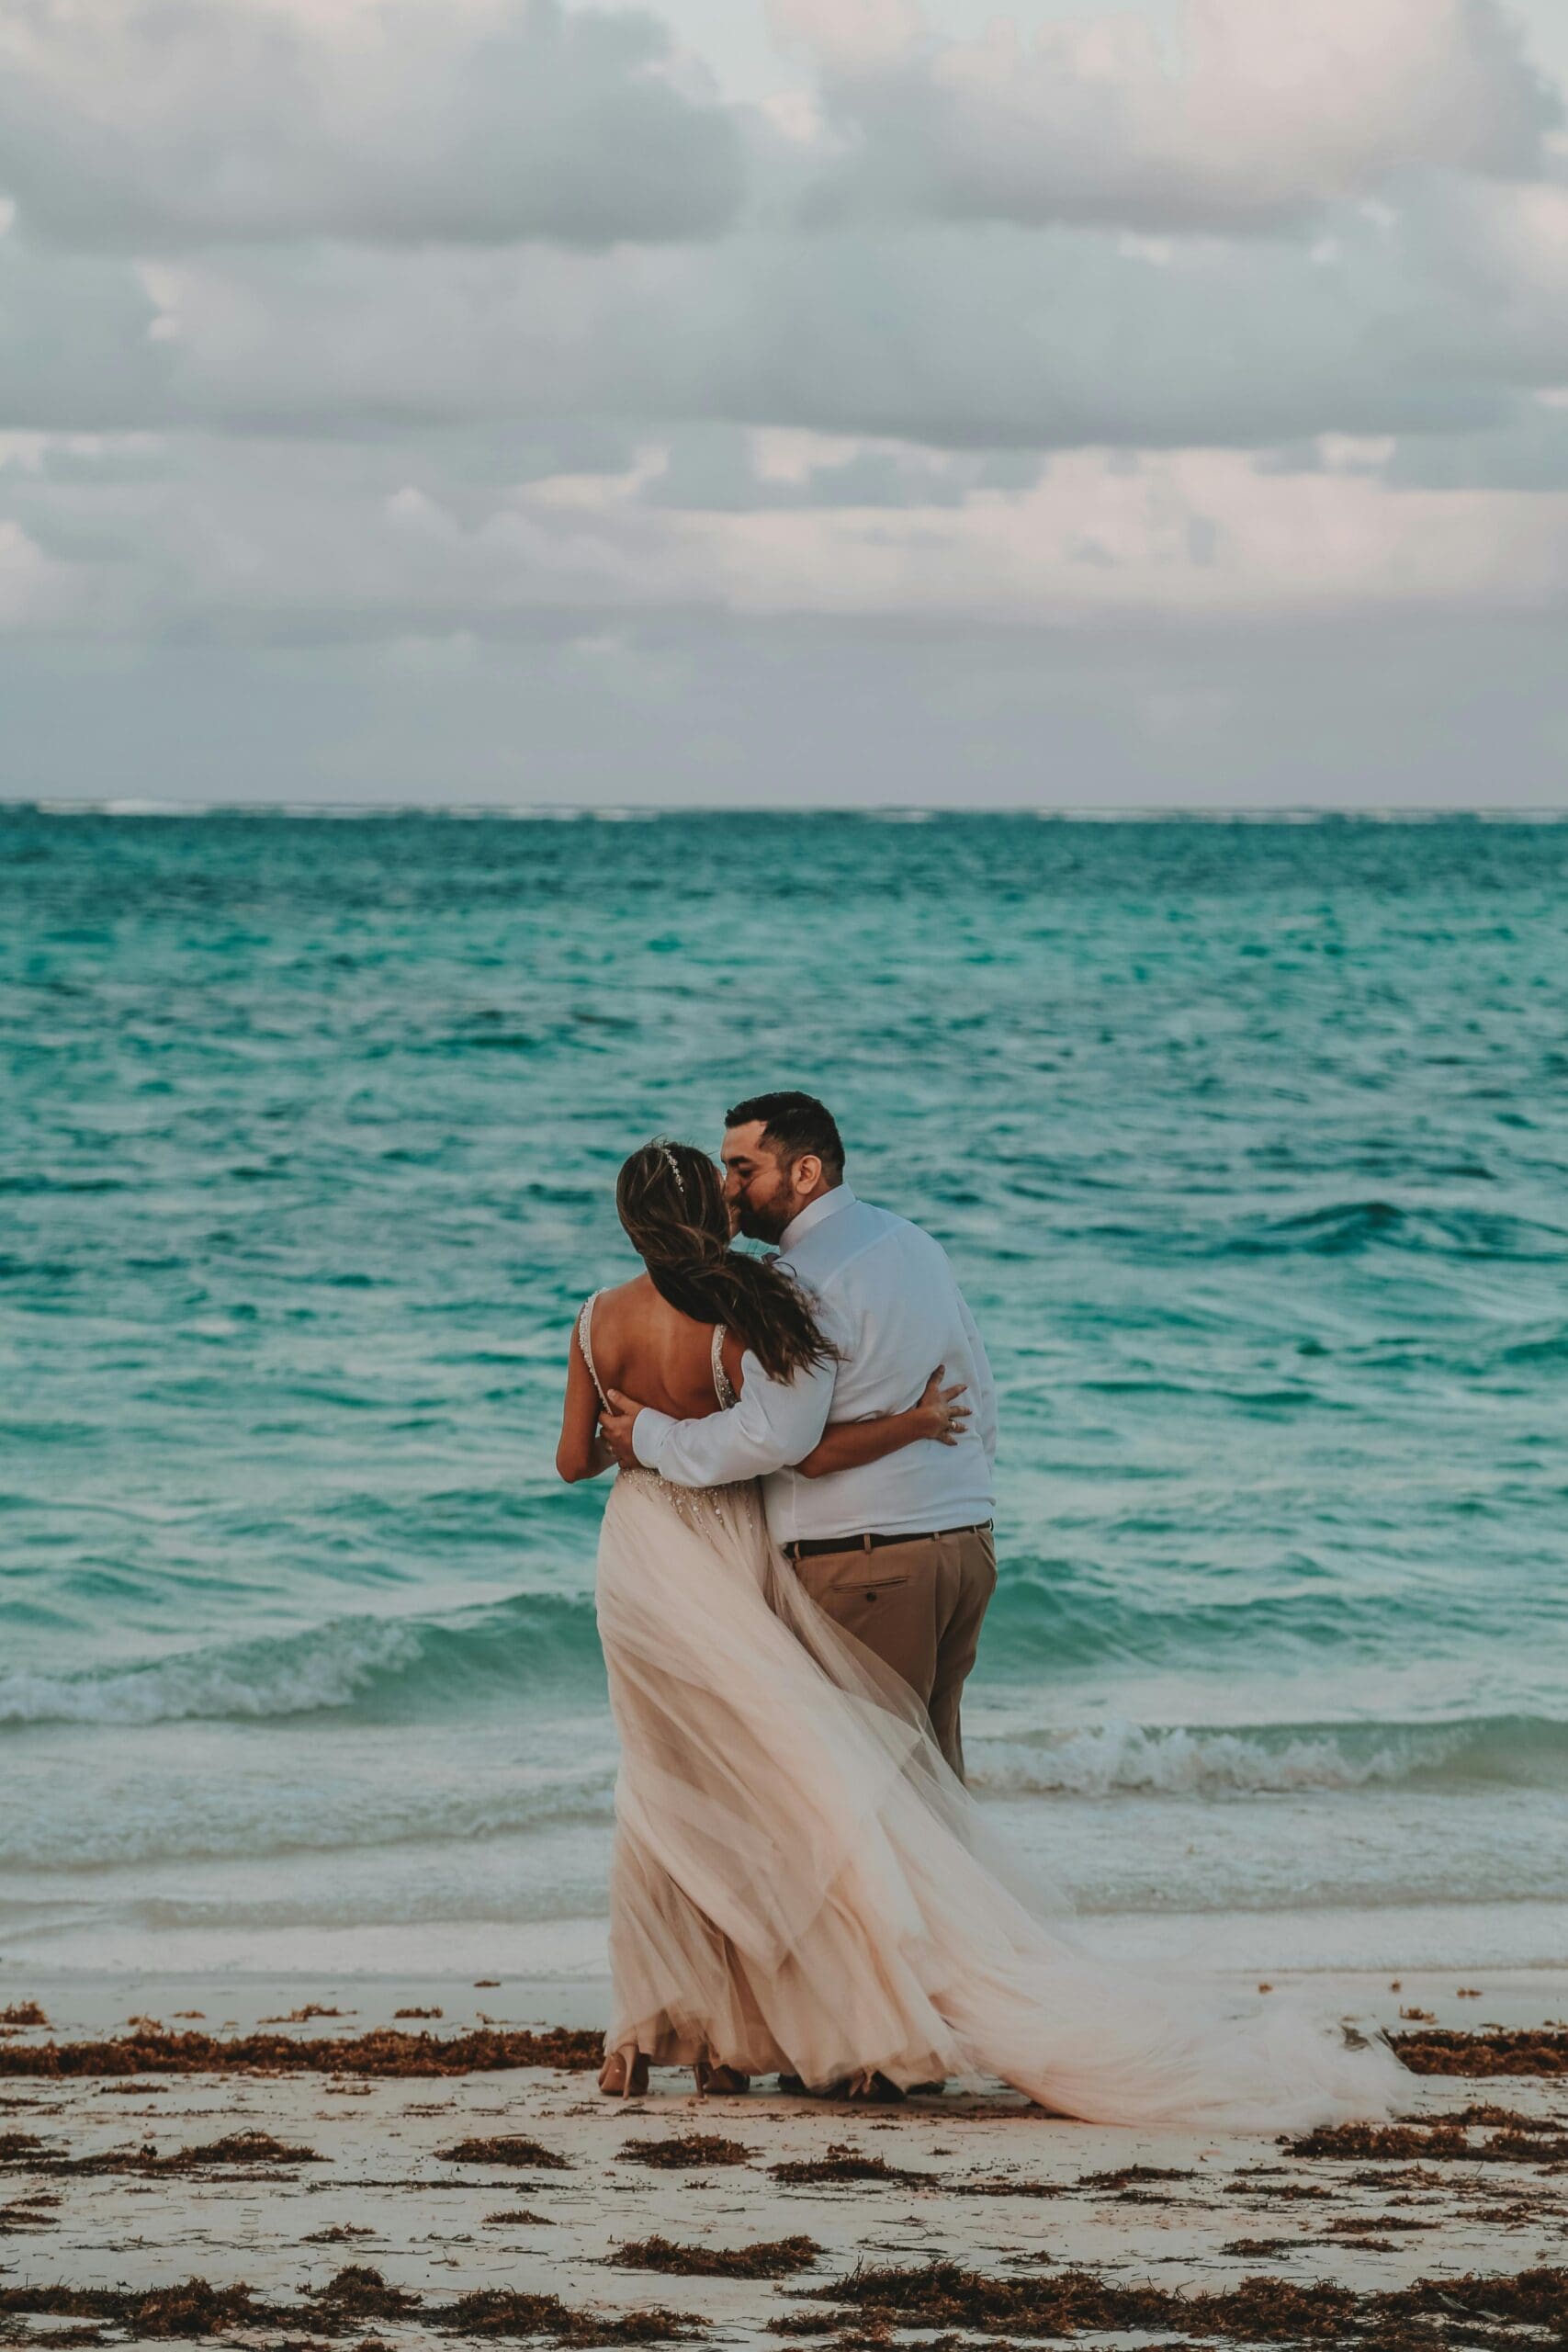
[(501, 2311), (20, 2013), (1006, 2186), (1131, 2175), (193, 2308), (1260, 2310), (775, 2258), (684, 2151), (844, 2164), (508, 2149), (246, 2148), (1533, 2141), (1530, 2050), (150, 2049), (358, 2294)]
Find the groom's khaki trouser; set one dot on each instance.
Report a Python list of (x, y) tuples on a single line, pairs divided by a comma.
[(919, 1606)]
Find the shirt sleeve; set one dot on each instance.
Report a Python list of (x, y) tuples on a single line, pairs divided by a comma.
[(773, 1424), (985, 1385)]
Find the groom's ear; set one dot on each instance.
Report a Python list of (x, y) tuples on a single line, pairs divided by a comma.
[(807, 1173)]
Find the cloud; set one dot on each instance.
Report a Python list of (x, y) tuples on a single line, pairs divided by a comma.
[(929, 334), (290, 544), (157, 125), (1270, 109)]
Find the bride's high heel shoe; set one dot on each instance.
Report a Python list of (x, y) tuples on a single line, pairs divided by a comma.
[(624, 2074), (720, 2082)]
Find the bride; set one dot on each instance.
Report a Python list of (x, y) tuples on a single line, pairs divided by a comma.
[(799, 1884)]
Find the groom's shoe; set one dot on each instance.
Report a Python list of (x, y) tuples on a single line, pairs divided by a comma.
[(865, 2089), (794, 2088), (871, 2089), (720, 2082)]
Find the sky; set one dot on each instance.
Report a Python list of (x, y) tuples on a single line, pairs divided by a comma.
[(784, 402)]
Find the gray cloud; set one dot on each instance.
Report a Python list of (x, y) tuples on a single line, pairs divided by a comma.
[(1008, 340), (77, 349), (1266, 116), (165, 124), (712, 470)]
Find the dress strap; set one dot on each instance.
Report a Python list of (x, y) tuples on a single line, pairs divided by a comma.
[(585, 1342), (721, 1387)]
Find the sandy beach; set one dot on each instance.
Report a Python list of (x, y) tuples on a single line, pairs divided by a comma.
[(393, 2209)]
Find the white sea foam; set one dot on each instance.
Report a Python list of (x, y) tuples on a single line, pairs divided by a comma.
[(293, 1675), (1104, 1757)]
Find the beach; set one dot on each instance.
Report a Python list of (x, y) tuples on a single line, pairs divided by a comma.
[(415, 2207)]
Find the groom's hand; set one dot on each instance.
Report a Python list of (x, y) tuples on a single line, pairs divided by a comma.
[(617, 1421)]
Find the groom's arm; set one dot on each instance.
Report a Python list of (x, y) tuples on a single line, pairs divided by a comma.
[(774, 1423)]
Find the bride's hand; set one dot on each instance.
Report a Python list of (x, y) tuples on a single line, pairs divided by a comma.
[(937, 1414)]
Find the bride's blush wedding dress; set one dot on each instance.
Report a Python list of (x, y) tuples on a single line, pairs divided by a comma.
[(800, 1884)]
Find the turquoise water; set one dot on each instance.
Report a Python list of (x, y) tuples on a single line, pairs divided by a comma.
[(1248, 1143)]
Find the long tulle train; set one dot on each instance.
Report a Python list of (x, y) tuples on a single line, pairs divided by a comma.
[(800, 1883)]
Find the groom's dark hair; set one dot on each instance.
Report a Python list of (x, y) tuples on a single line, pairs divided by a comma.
[(793, 1123)]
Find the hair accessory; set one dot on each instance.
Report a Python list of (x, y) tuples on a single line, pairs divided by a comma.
[(674, 1170)]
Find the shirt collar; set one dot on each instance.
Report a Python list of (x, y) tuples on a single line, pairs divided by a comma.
[(824, 1206)]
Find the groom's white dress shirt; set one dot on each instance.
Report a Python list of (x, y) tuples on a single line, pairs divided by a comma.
[(887, 1298)]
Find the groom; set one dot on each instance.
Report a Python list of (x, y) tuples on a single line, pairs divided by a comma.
[(899, 1552)]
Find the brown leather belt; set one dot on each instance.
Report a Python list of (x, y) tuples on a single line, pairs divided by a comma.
[(803, 1549)]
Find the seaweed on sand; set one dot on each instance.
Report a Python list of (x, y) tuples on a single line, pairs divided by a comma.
[(1127, 2176), (248, 2148), (150, 2049), (684, 2151), (506, 2149), (501, 2311), (1530, 2050), (842, 2163), (774, 2258), (1445, 2142), (1006, 2186), (195, 2308), (357, 2293), (1258, 2309)]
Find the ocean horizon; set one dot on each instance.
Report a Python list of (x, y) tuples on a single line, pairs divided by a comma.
[(1245, 1131)]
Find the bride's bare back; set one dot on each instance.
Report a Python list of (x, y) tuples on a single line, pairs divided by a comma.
[(643, 1345)]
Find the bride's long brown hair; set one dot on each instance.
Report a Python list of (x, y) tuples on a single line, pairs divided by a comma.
[(671, 1201)]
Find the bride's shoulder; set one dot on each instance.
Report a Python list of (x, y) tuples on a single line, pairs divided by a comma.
[(617, 1297)]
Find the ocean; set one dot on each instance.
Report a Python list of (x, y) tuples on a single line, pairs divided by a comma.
[(1248, 1141)]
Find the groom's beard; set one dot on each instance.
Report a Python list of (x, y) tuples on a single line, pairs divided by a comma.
[(765, 1224)]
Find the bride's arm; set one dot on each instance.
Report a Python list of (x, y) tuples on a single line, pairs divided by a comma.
[(582, 1452), (845, 1445)]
